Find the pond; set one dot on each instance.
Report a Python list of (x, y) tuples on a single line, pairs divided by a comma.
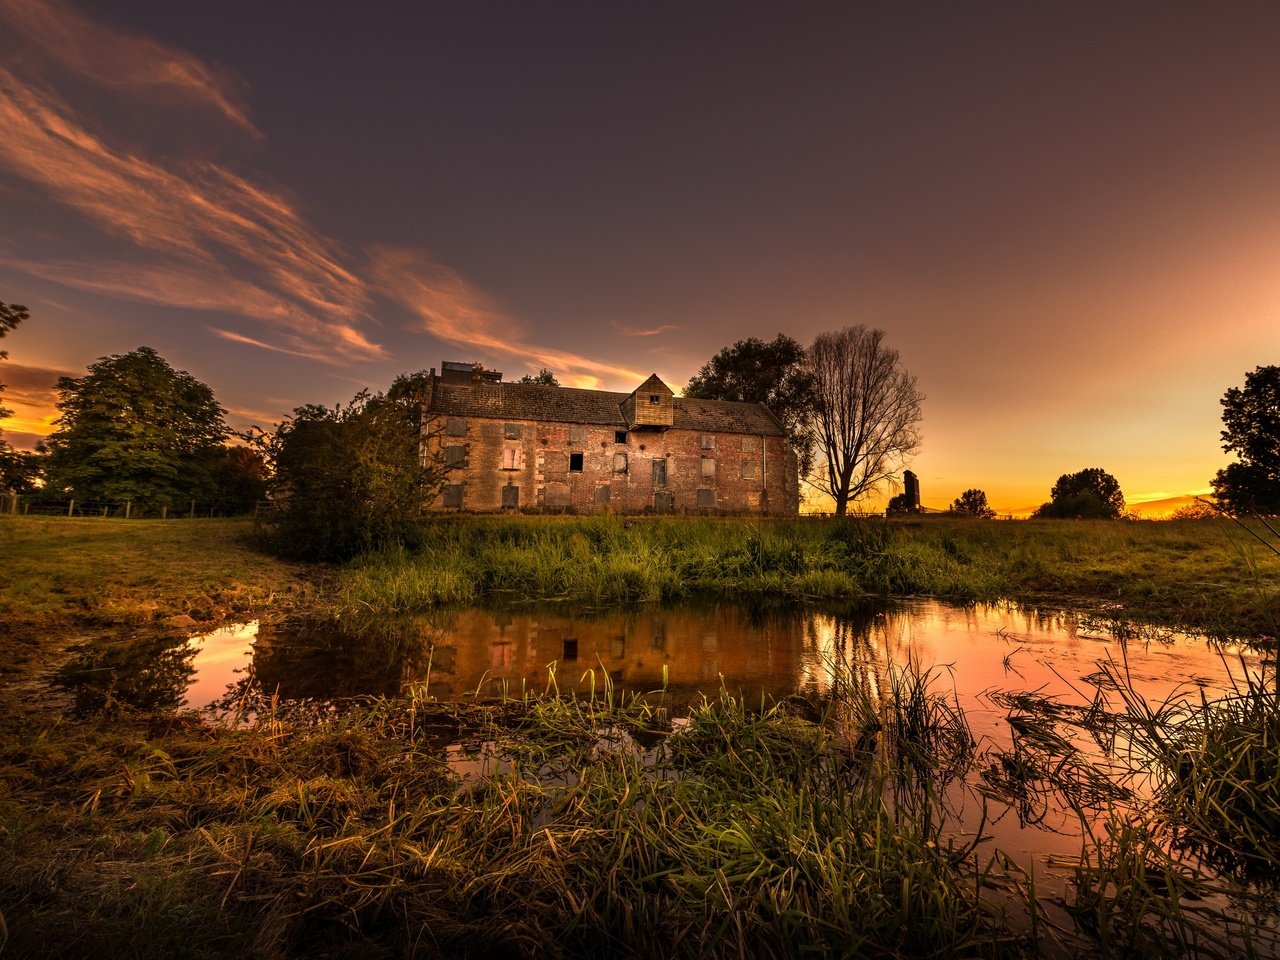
[(1034, 687), (760, 654)]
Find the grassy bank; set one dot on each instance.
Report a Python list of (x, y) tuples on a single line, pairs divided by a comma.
[(65, 578), (563, 828), (1197, 574)]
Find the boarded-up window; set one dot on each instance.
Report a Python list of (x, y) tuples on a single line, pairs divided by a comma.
[(575, 463), (706, 498), (455, 427), (664, 501), (619, 463), (556, 495), (455, 455), (708, 467), (603, 494), (659, 473), (513, 431), (750, 469), (707, 441), (512, 458), (750, 444), (451, 495), (511, 496), (577, 433)]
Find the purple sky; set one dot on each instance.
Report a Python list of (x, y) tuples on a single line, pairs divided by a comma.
[(1066, 216)]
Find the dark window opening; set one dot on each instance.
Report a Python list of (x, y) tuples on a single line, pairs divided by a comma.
[(570, 650), (654, 398), (620, 436), (575, 463)]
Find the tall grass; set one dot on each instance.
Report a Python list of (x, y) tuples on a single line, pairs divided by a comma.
[(1178, 573), (604, 830)]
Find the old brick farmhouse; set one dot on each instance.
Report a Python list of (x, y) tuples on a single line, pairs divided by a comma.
[(530, 447)]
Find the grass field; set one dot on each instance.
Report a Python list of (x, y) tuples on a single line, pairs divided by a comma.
[(1207, 575), (606, 829)]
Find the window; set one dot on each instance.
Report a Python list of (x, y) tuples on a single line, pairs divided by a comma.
[(654, 398), (619, 463), (707, 441), (620, 436), (451, 495), (706, 499), (512, 431), (512, 458), (664, 501), (510, 496), (575, 463), (453, 427), (571, 650), (455, 455), (659, 473), (708, 467), (577, 433), (603, 494), (750, 470), (750, 444)]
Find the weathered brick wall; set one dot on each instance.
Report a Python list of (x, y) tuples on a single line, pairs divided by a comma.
[(586, 469)]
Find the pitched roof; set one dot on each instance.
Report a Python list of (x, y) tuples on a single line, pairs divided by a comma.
[(528, 401)]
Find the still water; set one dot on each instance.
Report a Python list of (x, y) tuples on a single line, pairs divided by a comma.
[(1002, 665), (985, 654)]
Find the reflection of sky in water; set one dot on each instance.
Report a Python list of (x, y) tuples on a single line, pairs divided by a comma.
[(221, 657)]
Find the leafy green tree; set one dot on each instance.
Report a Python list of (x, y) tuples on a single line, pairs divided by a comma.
[(133, 428), (20, 470), (973, 502), (1092, 494), (544, 377), (1252, 418), (11, 314), (773, 373), (350, 479)]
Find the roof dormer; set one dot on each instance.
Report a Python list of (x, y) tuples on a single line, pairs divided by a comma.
[(649, 406)]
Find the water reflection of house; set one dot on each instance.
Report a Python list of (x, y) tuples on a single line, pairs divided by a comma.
[(518, 446), (694, 647)]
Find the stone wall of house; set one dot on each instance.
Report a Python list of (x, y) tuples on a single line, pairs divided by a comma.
[(496, 465)]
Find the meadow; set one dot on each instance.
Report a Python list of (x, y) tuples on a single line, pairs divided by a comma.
[(602, 827)]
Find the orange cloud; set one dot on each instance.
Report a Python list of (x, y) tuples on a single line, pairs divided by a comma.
[(456, 312), (55, 33), (630, 332), (197, 221)]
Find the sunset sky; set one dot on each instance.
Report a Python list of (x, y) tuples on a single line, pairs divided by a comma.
[(1065, 216)]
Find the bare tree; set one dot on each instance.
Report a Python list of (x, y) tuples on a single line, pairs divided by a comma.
[(866, 412)]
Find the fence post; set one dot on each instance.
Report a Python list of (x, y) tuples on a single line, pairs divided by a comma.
[(127, 505), (13, 504), (193, 509), (164, 512), (71, 507)]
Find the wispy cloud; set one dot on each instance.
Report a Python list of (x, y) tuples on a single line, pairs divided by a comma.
[(626, 331), (453, 310), (58, 35), (204, 227), (202, 236)]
